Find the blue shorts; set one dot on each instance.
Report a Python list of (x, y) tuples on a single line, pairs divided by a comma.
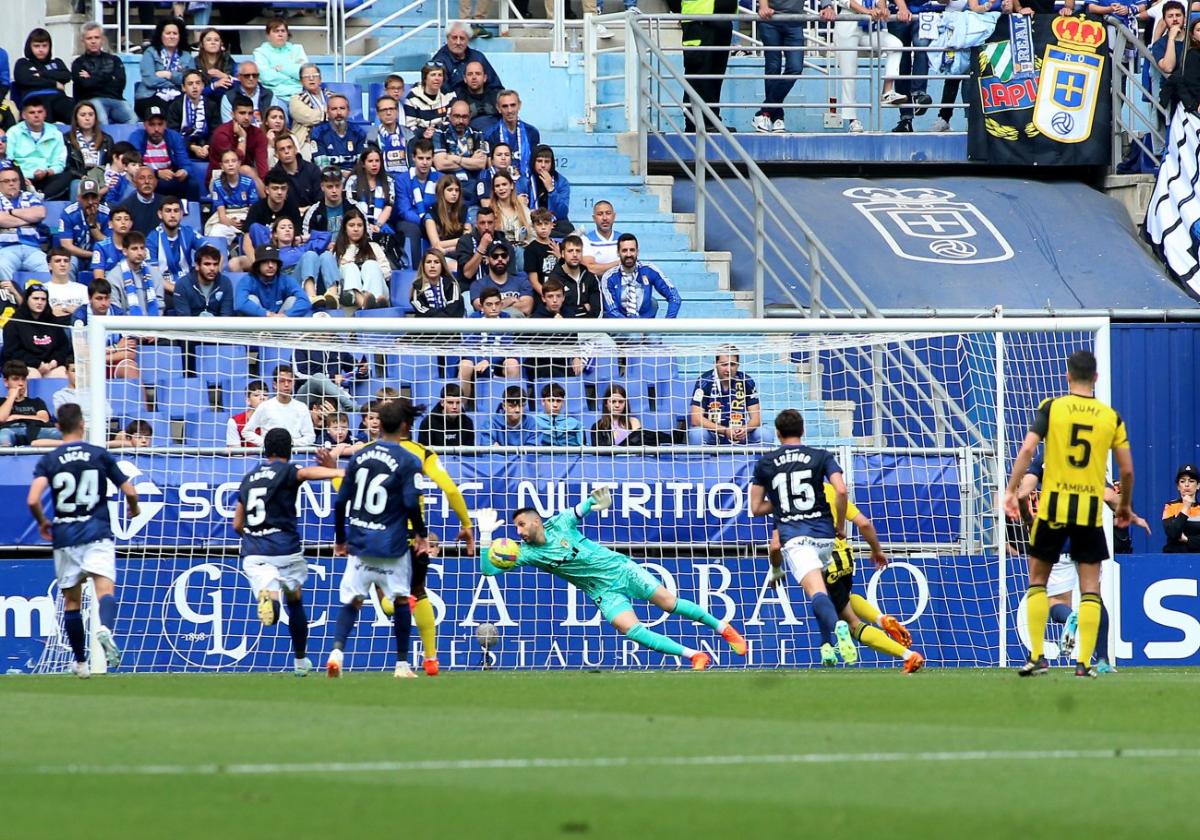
[(633, 582)]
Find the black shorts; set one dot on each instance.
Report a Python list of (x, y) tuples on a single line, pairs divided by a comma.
[(420, 568), (839, 592), (1047, 542)]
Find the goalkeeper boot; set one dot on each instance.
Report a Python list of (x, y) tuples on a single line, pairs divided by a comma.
[(1103, 666), (81, 670), (266, 608), (700, 661), (914, 662), (302, 667), (828, 655), (112, 653), (431, 667), (735, 639), (1033, 667), (1082, 670), (1066, 642), (333, 668), (845, 644), (404, 671), (897, 631)]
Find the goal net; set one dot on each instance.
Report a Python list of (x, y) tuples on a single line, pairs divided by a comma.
[(925, 417)]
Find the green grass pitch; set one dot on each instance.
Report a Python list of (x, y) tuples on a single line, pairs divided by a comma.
[(769, 754)]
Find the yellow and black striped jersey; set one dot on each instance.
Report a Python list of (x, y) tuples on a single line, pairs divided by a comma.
[(432, 468), (841, 563), (1078, 433)]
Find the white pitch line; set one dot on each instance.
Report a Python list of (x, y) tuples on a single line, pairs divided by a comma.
[(601, 763)]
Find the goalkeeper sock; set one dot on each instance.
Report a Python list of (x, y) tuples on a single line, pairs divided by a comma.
[(346, 620), (655, 641), (1089, 626), (1102, 634), (826, 615), (275, 611), (107, 608), (73, 624), (426, 623), (873, 637), (1037, 611), (402, 625), (865, 610), (692, 610), (1059, 613), (298, 627)]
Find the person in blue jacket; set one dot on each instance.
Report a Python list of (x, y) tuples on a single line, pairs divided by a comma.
[(550, 190), (267, 291), (628, 288), (205, 291), (165, 151), (510, 425)]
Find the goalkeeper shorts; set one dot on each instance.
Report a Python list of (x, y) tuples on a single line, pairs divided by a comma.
[(630, 582)]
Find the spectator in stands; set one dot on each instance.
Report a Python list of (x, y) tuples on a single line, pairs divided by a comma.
[(461, 151), (88, 147), (303, 177), (337, 141), (281, 412), (364, 267), (137, 287), (703, 68), (81, 397), (416, 193), (248, 86), (337, 432), (510, 425), (99, 78), (502, 364), (394, 87), (325, 374), (616, 424), (581, 288), (600, 243), (205, 291), (427, 105), (280, 60), (310, 263), (34, 336), (850, 38), (256, 395), (906, 26), (171, 247), (549, 190), (952, 87), (117, 183), (233, 194), (374, 194), (163, 152), (82, 226), (20, 214), (163, 66), (137, 434), (390, 137), (39, 150), (216, 64), (781, 68), (120, 356), (369, 431), (516, 295), (274, 125), (1181, 516), (23, 419), (542, 253), (308, 105), (144, 203), (446, 221), (1167, 47), (64, 294), (263, 214), (629, 288), (320, 410), (194, 116), (517, 134), (554, 427), (39, 74), (499, 162), (471, 255), (448, 424), (242, 136), (725, 406), (455, 55), (435, 293), (328, 214), (479, 96), (551, 306), (512, 213), (267, 292), (108, 252)]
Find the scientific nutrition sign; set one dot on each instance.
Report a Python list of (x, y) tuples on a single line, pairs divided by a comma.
[(1040, 93)]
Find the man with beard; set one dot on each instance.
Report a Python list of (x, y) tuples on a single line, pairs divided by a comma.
[(629, 288), (338, 142), (242, 136)]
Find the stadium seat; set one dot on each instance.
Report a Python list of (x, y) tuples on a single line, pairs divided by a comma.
[(121, 131), (208, 430), (54, 211), (160, 362), (387, 312), (45, 389), (181, 399), (428, 392), (401, 289), (127, 398), (270, 358), (410, 369), (352, 92), (646, 371)]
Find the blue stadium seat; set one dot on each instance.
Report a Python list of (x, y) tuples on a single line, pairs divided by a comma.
[(488, 392), (270, 358), (228, 367), (206, 430), (401, 289), (219, 243), (649, 370), (182, 398), (54, 211), (410, 369), (24, 277), (119, 132), (160, 362), (428, 392), (387, 312), (352, 92), (127, 398), (673, 397), (45, 389)]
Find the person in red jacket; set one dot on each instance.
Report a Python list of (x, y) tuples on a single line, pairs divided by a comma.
[(241, 135)]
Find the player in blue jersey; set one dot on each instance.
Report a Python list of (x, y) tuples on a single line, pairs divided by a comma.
[(789, 483), (376, 505), (77, 474), (266, 518), (608, 578)]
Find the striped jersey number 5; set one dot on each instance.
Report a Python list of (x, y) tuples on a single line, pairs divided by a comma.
[(370, 495), (256, 507), (1085, 445), (795, 491), (72, 493)]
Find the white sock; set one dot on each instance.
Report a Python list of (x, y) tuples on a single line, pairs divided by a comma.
[(907, 654), (689, 653)]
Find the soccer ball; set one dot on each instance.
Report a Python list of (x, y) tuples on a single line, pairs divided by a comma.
[(487, 635), (503, 553)]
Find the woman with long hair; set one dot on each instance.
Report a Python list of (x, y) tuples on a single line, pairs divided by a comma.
[(163, 64), (373, 192), (34, 336), (88, 147), (615, 425), (363, 265), (512, 214), (446, 220), (215, 63), (435, 292), (274, 124)]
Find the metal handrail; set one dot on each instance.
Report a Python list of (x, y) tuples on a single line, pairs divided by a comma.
[(341, 56), (1153, 124)]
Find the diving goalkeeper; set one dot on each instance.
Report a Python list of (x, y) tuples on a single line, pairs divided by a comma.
[(608, 578)]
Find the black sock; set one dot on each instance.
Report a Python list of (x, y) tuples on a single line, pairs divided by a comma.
[(73, 624), (1102, 635), (402, 624), (347, 618), (298, 627), (275, 610)]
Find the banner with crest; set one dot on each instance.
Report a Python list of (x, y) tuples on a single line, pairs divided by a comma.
[(1040, 93)]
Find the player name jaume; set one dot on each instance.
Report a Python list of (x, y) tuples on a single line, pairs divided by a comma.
[(1090, 409)]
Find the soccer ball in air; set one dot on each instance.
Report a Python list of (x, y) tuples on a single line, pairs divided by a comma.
[(503, 553), (487, 635)]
